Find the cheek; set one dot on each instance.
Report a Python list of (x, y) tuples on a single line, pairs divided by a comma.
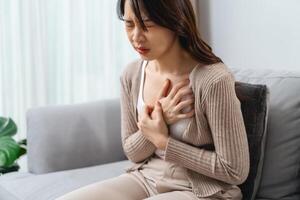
[(128, 33), (163, 41)]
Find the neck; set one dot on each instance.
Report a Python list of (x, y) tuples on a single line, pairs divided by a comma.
[(176, 61)]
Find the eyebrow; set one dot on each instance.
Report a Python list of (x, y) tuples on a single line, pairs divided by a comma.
[(144, 20)]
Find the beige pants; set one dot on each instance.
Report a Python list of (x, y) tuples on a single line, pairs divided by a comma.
[(126, 187), (155, 180)]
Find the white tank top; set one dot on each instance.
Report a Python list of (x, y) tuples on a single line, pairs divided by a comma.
[(176, 130)]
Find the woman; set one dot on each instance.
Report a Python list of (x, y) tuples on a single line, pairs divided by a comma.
[(182, 125)]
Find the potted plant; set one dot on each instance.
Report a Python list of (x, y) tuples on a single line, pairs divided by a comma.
[(10, 150)]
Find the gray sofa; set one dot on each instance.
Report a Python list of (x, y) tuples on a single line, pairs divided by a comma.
[(70, 146)]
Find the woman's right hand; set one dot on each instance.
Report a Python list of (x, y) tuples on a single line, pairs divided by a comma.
[(179, 103)]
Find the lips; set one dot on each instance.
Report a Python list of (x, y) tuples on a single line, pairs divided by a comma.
[(142, 50)]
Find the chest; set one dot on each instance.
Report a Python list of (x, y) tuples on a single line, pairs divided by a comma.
[(153, 86), (195, 131)]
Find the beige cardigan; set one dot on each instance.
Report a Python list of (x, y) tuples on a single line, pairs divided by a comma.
[(214, 148)]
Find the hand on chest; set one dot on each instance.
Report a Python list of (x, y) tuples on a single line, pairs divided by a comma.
[(155, 88), (173, 92)]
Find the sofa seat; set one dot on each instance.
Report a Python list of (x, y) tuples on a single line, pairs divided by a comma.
[(28, 186)]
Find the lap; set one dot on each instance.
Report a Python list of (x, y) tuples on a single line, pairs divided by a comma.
[(122, 187), (128, 187), (234, 193), (178, 195)]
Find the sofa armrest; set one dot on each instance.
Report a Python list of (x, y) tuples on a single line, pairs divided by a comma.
[(65, 137)]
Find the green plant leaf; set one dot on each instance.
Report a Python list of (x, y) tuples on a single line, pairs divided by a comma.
[(12, 168), (9, 151), (22, 151), (7, 127), (23, 142)]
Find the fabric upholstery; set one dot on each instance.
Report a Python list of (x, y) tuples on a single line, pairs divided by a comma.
[(280, 178), (254, 104), (62, 137), (28, 186)]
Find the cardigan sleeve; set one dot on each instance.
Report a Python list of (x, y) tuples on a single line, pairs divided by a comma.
[(135, 145), (230, 161)]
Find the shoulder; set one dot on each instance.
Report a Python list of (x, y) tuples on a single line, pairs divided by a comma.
[(131, 69), (209, 75), (212, 77)]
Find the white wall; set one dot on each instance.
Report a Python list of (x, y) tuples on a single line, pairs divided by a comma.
[(253, 33)]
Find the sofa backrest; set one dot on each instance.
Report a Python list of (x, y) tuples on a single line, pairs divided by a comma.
[(65, 137), (280, 178)]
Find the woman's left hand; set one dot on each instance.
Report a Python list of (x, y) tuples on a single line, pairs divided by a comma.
[(153, 126)]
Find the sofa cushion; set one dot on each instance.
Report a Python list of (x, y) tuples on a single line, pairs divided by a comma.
[(27, 186), (280, 178), (254, 104), (75, 131)]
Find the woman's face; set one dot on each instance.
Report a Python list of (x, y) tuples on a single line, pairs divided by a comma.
[(154, 43)]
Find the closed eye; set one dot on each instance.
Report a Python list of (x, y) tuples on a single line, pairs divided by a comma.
[(129, 24), (148, 23)]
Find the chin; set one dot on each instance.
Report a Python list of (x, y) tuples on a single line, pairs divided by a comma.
[(147, 58)]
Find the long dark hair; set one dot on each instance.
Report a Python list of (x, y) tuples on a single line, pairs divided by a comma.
[(179, 17)]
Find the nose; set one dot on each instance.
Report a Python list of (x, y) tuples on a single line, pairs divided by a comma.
[(138, 35)]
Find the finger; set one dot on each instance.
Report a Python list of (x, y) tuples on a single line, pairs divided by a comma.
[(150, 109), (183, 104), (157, 106), (182, 92), (164, 91), (146, 110), (186, 115), (177, 87), (157, 112)]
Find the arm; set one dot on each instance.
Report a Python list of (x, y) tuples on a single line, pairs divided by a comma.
[(230, 161), (135, 145)]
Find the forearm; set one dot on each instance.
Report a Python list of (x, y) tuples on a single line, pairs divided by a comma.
[(209, 163), (137, 147)]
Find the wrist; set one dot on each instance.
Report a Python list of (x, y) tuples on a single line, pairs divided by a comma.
[(162, 143)]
